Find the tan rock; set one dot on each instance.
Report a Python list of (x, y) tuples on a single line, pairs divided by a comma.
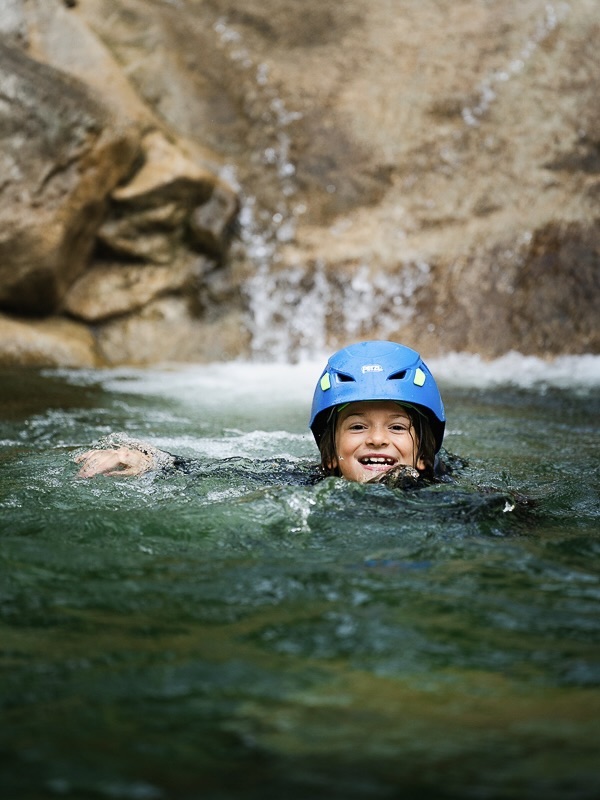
[(211, 224), (108, 290), (61, 154), (59, 37), (52, 342), (166, 171), (153, 234), (169, 204), (166, 331)]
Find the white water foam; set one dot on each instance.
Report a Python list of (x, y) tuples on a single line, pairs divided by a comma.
[(580, 372), (239, 383), (250, 444)]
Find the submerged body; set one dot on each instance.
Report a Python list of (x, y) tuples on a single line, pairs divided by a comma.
[(376, 406), (235, 624), (375, 442), (118, 455)]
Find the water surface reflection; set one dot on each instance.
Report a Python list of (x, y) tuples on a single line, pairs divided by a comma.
[(234, 634)]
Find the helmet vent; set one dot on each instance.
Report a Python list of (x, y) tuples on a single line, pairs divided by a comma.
[(342, 378), (398, 376)]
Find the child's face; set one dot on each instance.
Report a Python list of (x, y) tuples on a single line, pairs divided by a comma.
[(372, 437)]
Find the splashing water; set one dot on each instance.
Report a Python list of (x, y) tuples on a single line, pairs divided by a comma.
[(233, 633), (262, 231), (292, 308), (488, 89)]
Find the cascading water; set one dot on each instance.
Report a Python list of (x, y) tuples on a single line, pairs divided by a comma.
[(553, 15), (296, 311), (262, 230), (291, 309)]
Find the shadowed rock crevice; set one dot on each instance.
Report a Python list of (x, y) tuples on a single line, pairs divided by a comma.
[(557, 290)]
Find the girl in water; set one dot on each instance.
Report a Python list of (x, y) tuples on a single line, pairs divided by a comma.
[(377, 417)]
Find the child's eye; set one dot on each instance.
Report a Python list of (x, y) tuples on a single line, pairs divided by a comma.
[(399, 427)]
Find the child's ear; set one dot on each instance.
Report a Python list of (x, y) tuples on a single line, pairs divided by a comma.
[(333, 464), (420, 465)]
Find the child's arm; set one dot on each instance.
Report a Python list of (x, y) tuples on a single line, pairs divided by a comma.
[(123, 462), (132, 458)]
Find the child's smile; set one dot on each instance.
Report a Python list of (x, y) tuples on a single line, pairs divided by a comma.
[(373, 437)]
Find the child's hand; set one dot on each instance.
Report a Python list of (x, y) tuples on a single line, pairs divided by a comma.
[(121, 462)]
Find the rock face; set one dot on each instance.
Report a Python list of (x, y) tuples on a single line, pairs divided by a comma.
[(282, 177), (61, 156), (50, 342)]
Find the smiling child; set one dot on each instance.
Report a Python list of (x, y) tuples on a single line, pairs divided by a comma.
[(377, 412), (377, 408)]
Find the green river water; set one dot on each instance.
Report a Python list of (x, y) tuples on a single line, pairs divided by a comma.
[(235, 634)]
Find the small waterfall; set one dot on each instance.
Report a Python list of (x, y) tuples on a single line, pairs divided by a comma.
[(487, 90), (262, 230), (298, 311)]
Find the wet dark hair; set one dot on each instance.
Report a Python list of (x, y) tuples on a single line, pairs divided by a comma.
[(419, 425)]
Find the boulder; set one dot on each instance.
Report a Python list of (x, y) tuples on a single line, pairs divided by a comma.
[(53, 342), (61, 154), (109, 290), (212, 224), (150, 216), (146, 235), (168, 330)]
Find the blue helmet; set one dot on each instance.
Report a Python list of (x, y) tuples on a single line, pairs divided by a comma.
[(377, 371)]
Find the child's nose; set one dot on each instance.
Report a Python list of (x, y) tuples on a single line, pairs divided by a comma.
[(378, 435)]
